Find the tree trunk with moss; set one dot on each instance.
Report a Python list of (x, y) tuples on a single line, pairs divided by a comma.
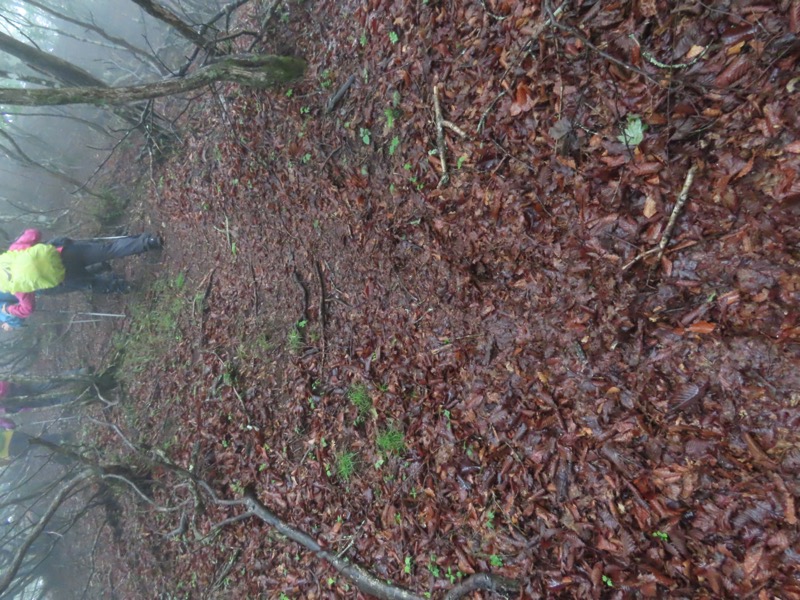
[(260, 71)]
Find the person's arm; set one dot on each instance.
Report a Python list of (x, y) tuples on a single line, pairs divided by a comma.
[(9, 321), (28, 238), (26, 303)]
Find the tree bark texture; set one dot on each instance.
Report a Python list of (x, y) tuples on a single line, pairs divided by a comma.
[(57, 68), (259, 71)]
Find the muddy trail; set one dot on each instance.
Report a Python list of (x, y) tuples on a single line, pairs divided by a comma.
[(436, 376)]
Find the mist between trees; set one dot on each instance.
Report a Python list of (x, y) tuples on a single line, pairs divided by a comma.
[(113, 58)]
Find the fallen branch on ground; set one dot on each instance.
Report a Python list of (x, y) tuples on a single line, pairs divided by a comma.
[(365, 581), (334, 100)]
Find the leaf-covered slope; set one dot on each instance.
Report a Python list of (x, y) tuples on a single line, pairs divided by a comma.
[(578, 426)]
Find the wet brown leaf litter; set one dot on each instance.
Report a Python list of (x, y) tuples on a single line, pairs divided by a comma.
[(523, 299)]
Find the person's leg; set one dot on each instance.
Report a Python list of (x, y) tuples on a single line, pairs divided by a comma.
[(77, 280), (82, 253), (110, 283)]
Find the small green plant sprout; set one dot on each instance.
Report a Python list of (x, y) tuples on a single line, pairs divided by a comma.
[(495, 560), (661, 535), (304, 110), (345, 465), (460, 162), (407, 565), (363, 39), (295, 338), (359, 396), (607, 580), (433, 567), (490, 519), (365, 136), (452, 576), (306, 158), (633, 134), (391, 441), (390, 117), (393, 37), (289, 93), (446, 415), (325, 79), (393, 145)]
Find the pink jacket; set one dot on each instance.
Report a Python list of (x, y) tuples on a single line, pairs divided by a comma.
[(26, 302)]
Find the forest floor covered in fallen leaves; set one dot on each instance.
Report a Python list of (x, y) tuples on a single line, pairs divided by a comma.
[(513, 395)]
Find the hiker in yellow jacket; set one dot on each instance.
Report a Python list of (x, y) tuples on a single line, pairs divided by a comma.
[(58, 266)]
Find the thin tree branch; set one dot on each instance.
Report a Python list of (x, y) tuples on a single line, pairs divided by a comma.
[(667, 235), (57, 501)]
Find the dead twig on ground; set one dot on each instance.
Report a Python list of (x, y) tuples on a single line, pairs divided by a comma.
[(255, 289), (491, 14), (331, 155), (586, 42), (334, 100), (437, 109), (657, 63), (322, 320), (667, 235), (453, 127), (485, 114)]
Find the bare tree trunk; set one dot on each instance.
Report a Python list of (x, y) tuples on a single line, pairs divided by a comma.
[(121, 42), (170, 18), (60, 70), (57, 68), (249, 70)]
